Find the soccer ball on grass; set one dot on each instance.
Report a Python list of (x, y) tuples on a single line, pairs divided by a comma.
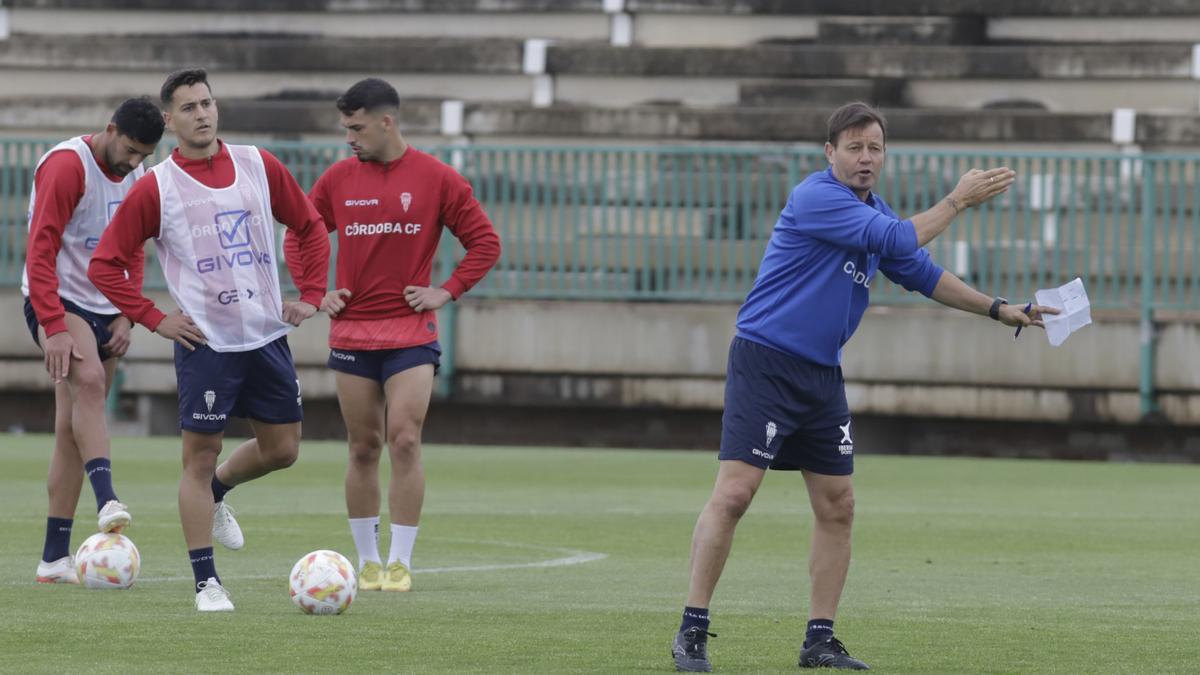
[(323, 582), (107, 560)]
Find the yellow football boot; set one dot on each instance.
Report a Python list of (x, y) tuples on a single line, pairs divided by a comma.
[(397, 578), (370, 577)]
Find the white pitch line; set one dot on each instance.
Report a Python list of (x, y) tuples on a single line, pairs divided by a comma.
[(576, 557)]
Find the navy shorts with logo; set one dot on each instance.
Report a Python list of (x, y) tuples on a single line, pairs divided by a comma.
[(97, 322), (380, 364), (784, 412), (259, 384)]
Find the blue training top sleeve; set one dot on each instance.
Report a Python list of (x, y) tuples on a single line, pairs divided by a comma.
[(830, 212), (915, 272)]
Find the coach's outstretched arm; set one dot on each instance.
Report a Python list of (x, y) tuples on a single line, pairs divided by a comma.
[(974, 188), (954, 292)]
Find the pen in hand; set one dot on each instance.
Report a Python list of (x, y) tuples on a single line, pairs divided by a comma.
[(1028, 306)]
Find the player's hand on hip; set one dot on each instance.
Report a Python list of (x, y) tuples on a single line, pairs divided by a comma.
[(977, 186), (121, 328), (335, 301), (60, 351), (425, 298), (1015, 315), (180, 328), (296, 312)]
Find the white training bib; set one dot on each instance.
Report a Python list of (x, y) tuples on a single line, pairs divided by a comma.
[(217, 251), (100, 200)]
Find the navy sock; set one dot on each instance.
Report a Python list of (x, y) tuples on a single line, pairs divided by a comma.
[(219, 489), (204, 566), (58, 539), (695, 616), (819, 630), (99, 472)]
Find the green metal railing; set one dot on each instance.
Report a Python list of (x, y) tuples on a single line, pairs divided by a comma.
[(690, 223)]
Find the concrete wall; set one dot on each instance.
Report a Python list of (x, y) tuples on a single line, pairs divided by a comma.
[(911, 362)]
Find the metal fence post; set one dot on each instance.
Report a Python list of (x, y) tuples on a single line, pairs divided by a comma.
[(1147, 279)]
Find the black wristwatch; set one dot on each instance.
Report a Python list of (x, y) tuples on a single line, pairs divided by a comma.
[(994, 310)]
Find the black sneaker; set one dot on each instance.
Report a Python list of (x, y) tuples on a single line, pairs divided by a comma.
[(830, 653), (691, 650)]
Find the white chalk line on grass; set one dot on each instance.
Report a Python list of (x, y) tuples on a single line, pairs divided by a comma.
[(574, 557)]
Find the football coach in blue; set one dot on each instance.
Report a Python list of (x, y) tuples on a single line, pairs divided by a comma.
[(785, 399)]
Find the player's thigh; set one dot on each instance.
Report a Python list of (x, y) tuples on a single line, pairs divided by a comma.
[(276, 439), (89, 368), (831, 496), (270, 391), (361, 402), (110, 372), (408, 393)]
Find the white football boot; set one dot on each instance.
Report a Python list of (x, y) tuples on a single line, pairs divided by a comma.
[(213, 597), (61, 571), (225, 527), (114, 517)]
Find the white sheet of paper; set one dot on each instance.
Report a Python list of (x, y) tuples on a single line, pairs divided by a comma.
[(1072, 301)]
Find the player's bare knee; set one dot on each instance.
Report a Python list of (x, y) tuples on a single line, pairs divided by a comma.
[(282, 455), (405, 444), (836, 509), (87, 382), (201, 464), (733, 501), (366, 451)]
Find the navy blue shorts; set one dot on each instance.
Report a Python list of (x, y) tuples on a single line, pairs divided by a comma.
[(260, 384), (97, 322), (380, 364), (784, 412)]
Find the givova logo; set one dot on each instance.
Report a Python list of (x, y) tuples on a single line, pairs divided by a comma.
[(210, 399)]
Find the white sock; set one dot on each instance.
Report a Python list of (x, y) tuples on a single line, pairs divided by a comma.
[(366, 539), (403, 539)]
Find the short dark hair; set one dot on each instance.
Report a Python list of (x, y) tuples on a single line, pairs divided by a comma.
[(370, 94), (139, 119), (183, 78), (854, 116)]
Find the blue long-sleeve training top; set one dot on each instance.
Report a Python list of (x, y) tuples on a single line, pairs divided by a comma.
[(814, 281)]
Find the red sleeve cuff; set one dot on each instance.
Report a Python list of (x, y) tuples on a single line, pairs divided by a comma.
[(456, 287), (313, 298), (55, 326), (152, 318)]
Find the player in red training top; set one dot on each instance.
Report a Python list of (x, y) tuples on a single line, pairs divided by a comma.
[(76, 188), (211, 209), (388, 205)]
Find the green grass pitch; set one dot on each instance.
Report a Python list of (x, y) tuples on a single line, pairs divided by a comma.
[(561, 561)]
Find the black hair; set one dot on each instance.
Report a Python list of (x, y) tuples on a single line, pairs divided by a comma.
[(139, 119), (854, 116), (370, 94), (183, 78)]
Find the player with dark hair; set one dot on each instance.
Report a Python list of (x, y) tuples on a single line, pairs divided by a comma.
[(388, 205), (785, 399), (211, 208), (77, 187)]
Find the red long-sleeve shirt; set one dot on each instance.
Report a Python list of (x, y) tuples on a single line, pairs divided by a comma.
[(389, 219), (138, 219), (59, 184)]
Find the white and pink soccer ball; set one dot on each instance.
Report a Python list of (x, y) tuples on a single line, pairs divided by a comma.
[(323, 582), (107, 560)]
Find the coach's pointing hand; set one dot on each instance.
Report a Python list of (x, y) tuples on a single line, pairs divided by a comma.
[(977, 186), (426, 299), (335, 301), (296, 312), (180, 328)]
